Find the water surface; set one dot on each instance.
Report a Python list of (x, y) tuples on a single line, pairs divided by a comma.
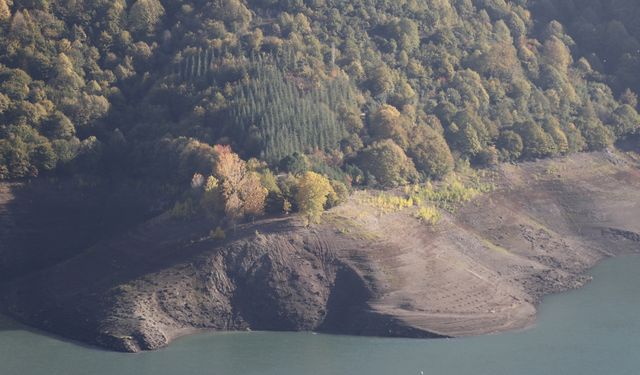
[(595, 330)]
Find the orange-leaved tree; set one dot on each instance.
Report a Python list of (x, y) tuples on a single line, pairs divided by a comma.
[(241, 189)]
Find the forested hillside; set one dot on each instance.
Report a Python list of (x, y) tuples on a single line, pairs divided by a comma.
[(373, 92), (606, 32)]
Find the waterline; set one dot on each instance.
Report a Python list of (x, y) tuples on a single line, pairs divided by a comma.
[(594, 330)]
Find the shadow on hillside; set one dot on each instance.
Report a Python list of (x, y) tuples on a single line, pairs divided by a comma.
[(7, 324), (49, 221), (631, 143), (105, 257)]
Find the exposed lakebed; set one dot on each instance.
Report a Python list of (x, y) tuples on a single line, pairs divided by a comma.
[(593, 330)]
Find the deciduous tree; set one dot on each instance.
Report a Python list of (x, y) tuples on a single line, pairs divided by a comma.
[(5, 12), (311, 196), (388, 122), (242, 191), (430, 152), (386, 161), (145, 15)]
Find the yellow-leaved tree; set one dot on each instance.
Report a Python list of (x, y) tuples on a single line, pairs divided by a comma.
[(5, 12), (312, 194)]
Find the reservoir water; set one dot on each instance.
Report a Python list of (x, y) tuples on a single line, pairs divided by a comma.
[(592, 331)]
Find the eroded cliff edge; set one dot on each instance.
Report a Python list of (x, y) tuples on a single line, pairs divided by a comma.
[(480, 270)]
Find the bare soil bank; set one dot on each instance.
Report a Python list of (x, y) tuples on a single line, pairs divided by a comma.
[(481, 270)]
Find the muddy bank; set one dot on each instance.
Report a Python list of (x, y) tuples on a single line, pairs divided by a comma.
[(481, 270)]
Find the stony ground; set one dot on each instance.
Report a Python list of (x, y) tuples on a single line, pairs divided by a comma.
[(482, 269)]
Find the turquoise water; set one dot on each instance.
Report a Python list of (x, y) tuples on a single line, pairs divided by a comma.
[(595, 330)]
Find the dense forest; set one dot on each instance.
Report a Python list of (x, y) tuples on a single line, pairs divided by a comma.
[(254, 102), (605, 32)]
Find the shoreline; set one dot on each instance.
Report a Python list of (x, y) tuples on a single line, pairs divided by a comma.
[(482, 270), (187, 332)]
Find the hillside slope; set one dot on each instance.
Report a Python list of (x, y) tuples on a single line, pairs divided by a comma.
[(120, 88), (481, 270)]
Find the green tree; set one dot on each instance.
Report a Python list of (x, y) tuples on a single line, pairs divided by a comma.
[(629, 97), (405, 32), (312, 193), (295, 163), (5, 103), (386, 161), (14, 83), (145, 15), (625, 120), (596, 135), (43, 157), (537, 143), (388, 122), (574, 138), (487, 157), (557, 54), (381, 80), (510, 145), (430, 152), (67, 81), (58, 126), (233, 12), (467, 140), (552, 127)]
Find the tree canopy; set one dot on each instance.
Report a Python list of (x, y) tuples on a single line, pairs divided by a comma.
[(311, 197), (361, 92)]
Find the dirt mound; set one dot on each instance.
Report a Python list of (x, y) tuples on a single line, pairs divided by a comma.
[(482, 269)]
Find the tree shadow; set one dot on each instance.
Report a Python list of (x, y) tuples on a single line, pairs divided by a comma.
[(46, 221), (630, 143)]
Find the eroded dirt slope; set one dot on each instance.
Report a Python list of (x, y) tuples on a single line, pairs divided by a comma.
[(482, 269)]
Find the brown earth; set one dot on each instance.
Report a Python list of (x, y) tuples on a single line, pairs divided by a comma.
[(480, 270)]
